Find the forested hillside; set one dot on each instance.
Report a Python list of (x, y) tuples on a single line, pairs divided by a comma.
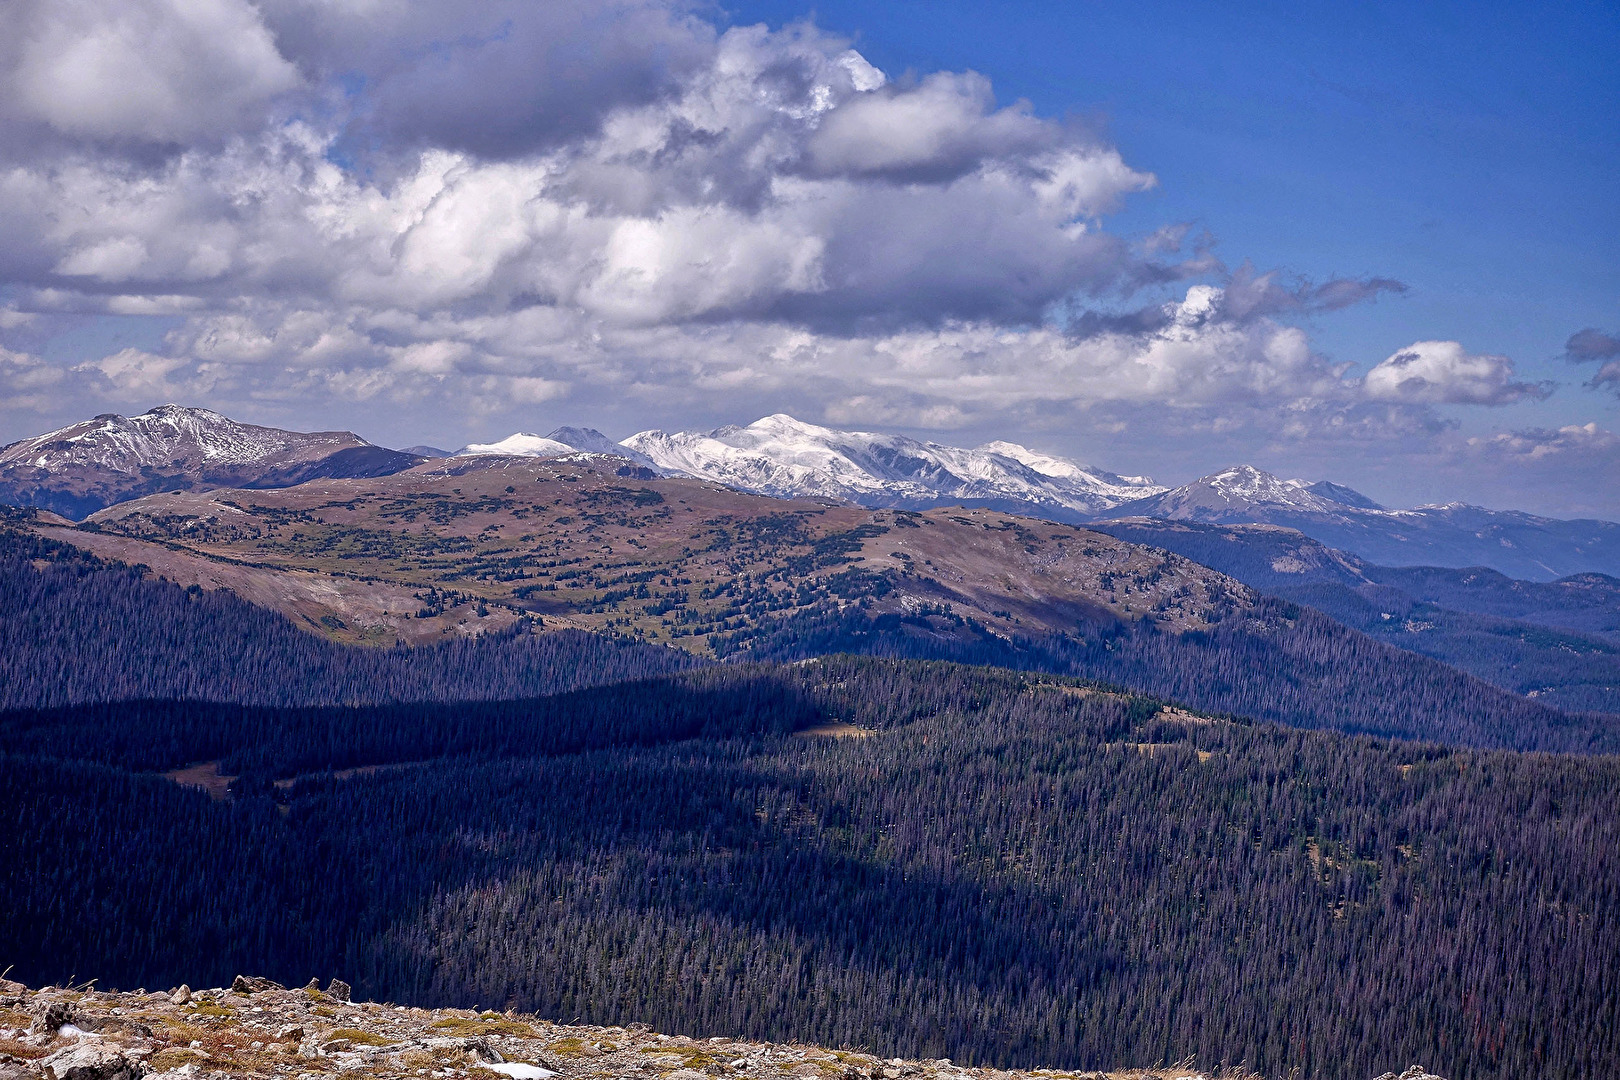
[(78, 629), (1280, 662), (1557, 641), (1006, 868), (91, 631)]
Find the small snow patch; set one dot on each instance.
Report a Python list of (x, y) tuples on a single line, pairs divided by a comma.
[(517, 1070)]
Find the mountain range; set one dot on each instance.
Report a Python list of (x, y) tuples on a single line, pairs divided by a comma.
[(1556, 641), (1456, 534), (787, 458), (91, 465)]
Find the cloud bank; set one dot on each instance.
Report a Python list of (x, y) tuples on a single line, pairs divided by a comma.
[(480, 209)]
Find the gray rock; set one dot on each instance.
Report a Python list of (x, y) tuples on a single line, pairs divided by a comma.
[(49, 1016), (339, 989), (483, 1049), (181, 995), (290, 1033), (1413, 1072), (253, 984), (91, 1061), (15, 1068)]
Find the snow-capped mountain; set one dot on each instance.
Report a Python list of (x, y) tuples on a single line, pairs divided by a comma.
[(169, 436), (785, 457), (565, 440), (521, 444), (86, 466), (1517, 544), (591, 441), (1239, 493)]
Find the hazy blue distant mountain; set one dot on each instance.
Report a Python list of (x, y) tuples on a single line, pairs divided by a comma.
[(1556, 641), (1517, 544)]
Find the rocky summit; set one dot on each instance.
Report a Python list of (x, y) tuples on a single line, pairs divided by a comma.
[(258, 1029)]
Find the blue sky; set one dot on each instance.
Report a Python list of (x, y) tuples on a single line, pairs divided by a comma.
[(1346, 242), (1471, 151)]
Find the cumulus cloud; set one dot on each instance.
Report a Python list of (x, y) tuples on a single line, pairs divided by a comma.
[(1536, 443), (1594, 346), (161, 71), (135, 373), (499, 79), (26, 381), (507, 204), (941, 128), (696, 206), (1443, 372)]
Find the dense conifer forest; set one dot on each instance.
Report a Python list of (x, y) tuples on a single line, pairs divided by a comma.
[(87, 631), (994, 864), (1282, 662), (78, 629), (1012, 868)]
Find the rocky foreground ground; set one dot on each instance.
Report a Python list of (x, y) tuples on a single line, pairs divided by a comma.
[(257, 1029)]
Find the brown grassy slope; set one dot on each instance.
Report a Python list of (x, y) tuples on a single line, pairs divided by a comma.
[(466, 545)]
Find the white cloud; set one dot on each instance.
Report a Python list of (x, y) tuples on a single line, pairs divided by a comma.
[(1443, 372), (135, 373), (26, 381), (506, 204), (1535, 444), (942, 127), (164, 71)]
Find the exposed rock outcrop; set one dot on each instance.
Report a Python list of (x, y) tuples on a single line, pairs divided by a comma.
[(257, 1029)]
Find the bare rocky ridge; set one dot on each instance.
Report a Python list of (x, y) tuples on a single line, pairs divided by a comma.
[(258, 1030)]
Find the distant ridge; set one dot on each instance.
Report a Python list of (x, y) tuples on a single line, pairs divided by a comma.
[(787, 458), (1454, 535), (88, 466)]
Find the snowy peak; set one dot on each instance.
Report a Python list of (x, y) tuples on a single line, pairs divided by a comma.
[(1234, 492), (563, 441), (1245, 483), (86, 466), (1126, 487), (520, 444), (786, 457), (170, 436), (591, 441)]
